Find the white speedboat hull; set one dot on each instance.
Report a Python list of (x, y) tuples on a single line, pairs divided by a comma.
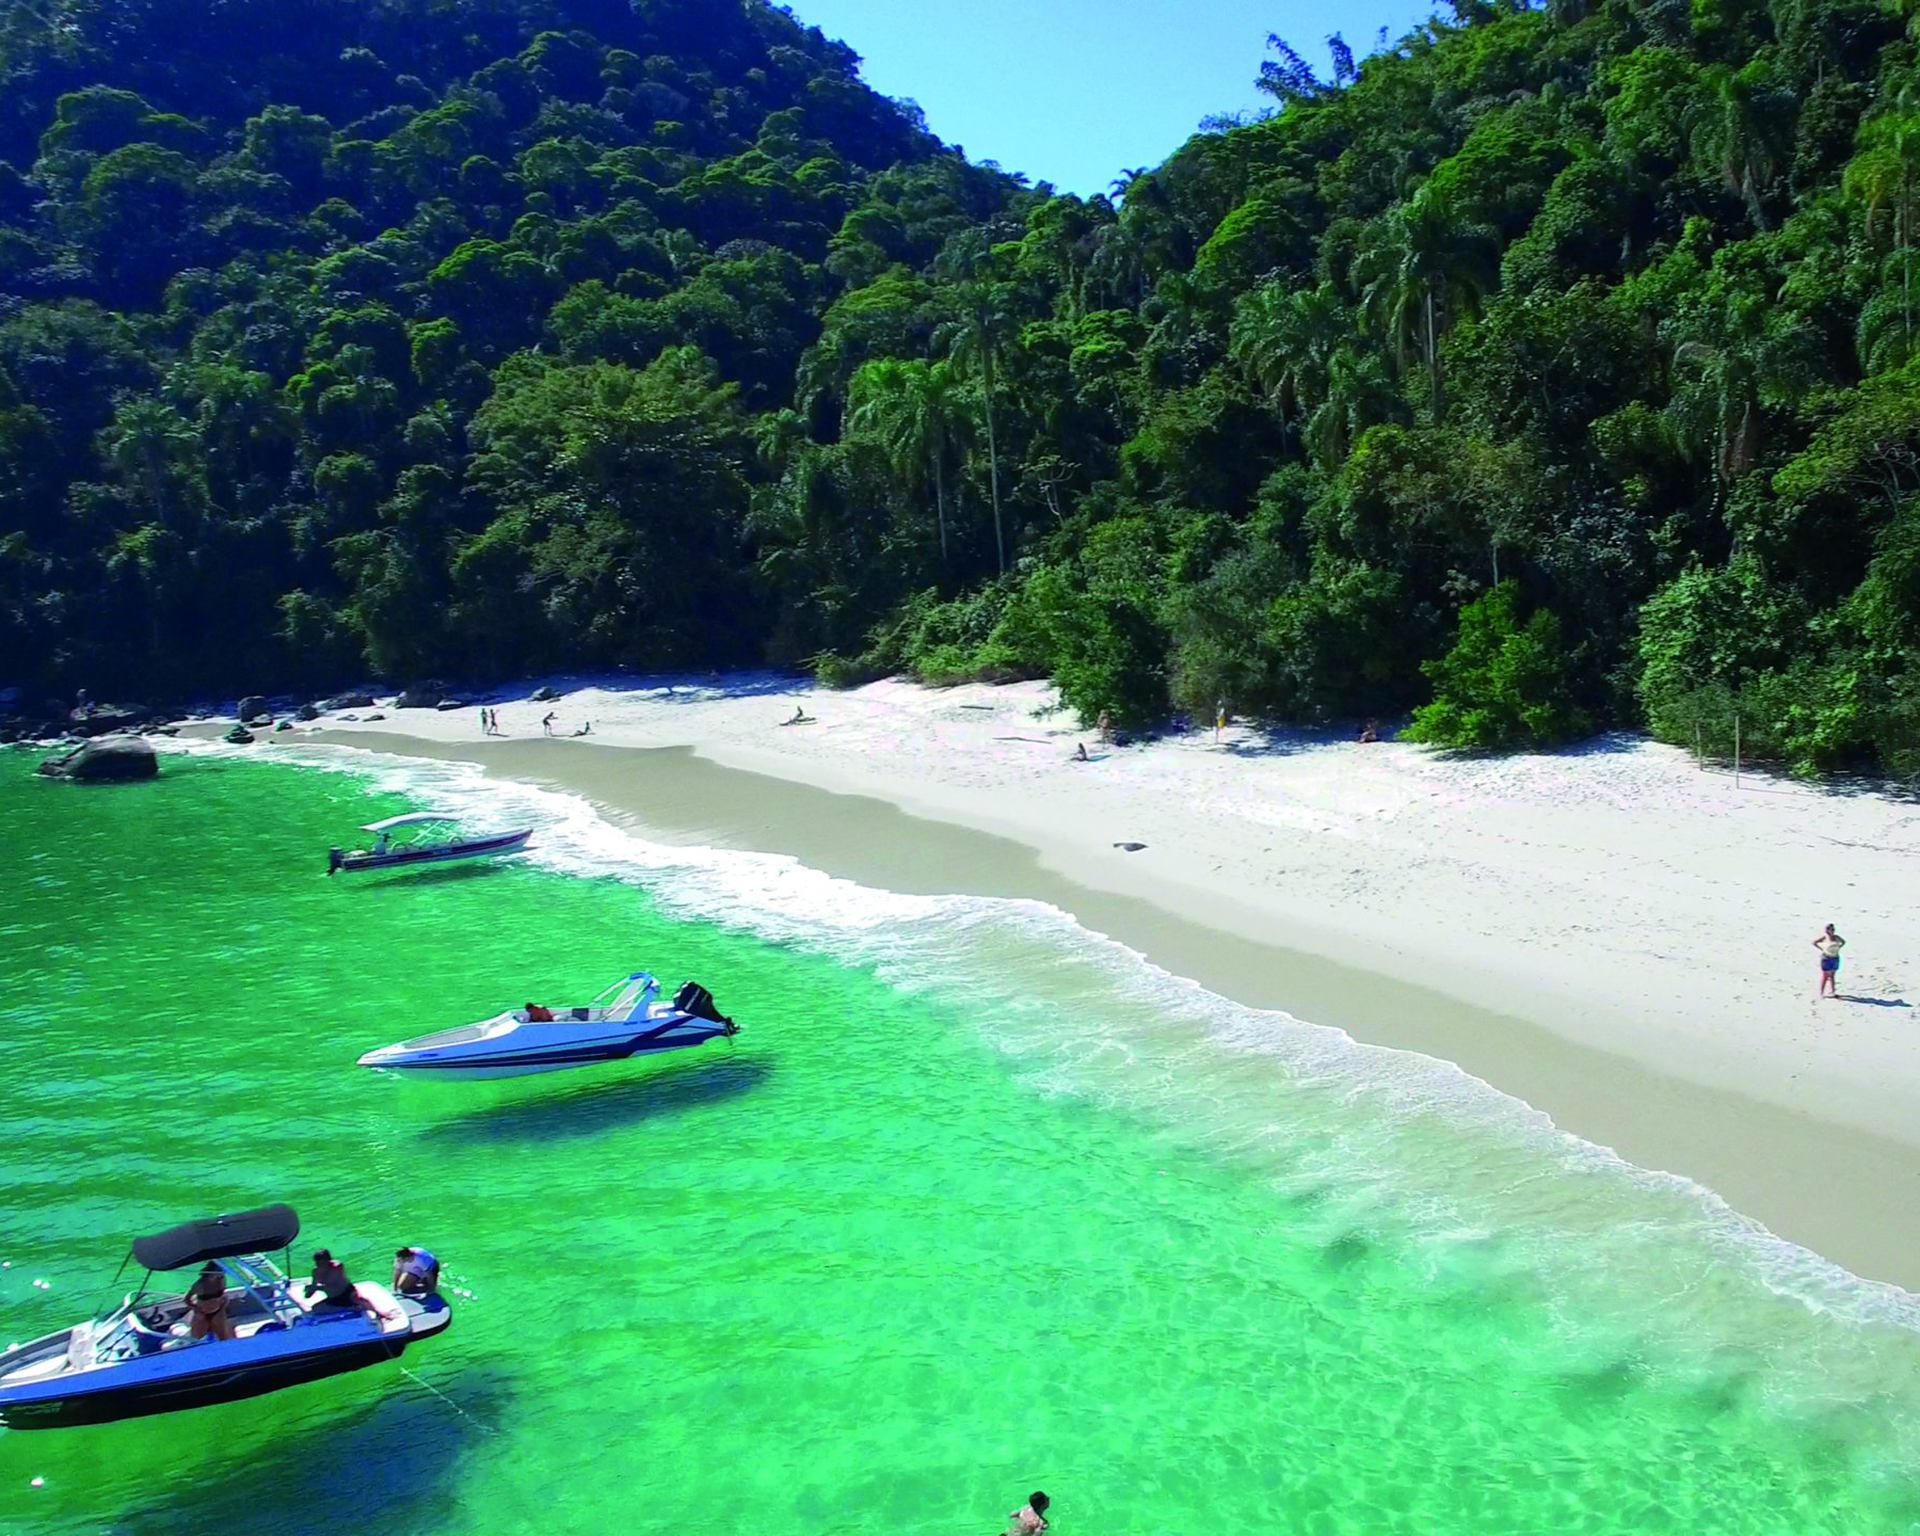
[(512, 1045)]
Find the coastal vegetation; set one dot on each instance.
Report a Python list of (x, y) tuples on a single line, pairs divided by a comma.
[(1546, 368)]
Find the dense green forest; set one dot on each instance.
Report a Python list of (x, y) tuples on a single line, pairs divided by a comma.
[(1547, 369)]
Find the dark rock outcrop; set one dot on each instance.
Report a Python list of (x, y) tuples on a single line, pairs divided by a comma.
[(422, 696), (307, 712), (105, 760), (99, 719), (446, 704), (250, 707), (544, 694), (376, 717), (349, 701), (239, 736)]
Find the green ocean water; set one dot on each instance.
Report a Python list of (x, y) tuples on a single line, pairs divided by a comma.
[(974, 1204)]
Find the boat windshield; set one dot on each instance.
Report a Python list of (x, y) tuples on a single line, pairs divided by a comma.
[(629, 997)]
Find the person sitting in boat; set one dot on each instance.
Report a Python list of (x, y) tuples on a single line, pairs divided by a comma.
[(337, 1293), (207, 1305), (379, 843), (415, 1272), (537, 1014)]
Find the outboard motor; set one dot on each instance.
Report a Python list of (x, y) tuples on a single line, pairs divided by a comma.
[(696, 1002), (334, 860)]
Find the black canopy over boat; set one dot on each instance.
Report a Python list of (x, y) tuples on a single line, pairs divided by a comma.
[(140, 1357)]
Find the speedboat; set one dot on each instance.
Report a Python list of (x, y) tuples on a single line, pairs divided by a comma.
[(139, 1357), (625, 1020), (426, 847)]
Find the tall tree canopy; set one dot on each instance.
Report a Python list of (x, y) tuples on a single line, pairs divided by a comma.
[(1549, 366)]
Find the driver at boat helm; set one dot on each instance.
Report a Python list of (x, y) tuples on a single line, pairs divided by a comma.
[(538, 1014), (415, 1272)]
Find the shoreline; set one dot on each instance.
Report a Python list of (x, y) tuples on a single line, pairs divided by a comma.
[(1840, 1185)]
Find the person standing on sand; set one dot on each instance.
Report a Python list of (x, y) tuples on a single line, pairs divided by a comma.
[(547, 723), (1829, 944)]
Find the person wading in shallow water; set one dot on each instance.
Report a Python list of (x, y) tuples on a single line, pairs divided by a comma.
[(1030, 1519), (1829, 944)]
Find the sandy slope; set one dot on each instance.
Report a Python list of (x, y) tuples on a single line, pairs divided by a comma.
[(1616, 894)]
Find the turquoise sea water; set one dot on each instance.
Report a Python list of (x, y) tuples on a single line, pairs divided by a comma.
[(975, 1203)]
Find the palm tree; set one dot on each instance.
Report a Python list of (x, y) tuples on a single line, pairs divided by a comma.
[(917, 411), (1743, 131), (1285, 339), (1123, 183), (1884, 175), (974, 339), (1427, 265), (1357, 394)]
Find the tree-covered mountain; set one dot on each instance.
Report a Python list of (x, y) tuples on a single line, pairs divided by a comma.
[(1547, 368)]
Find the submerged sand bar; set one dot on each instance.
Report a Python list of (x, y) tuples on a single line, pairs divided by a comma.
[(1612, 934)]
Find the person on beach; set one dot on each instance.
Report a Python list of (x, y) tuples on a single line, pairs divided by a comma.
[(1080, 752), (415, 1272), (1105, 726), (1030, 1519), (546, 722), (1370, 731), (207, 1305), (1829, 944), (798, 717), (585, 730)]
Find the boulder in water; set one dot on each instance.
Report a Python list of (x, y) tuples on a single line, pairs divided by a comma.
[(307, 712), (421, 696), (239, 736), (105, 760), (250, 706)]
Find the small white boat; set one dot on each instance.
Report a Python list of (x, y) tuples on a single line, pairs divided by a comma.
[(424, 846), (625, 1020)]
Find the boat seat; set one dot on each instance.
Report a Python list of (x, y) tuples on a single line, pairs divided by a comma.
[(579, 1013)]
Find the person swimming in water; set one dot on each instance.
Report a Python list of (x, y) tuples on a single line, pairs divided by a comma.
[(1030, 1519)]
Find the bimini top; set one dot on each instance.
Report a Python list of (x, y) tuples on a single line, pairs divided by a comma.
[(411, 819), (219, 1237)]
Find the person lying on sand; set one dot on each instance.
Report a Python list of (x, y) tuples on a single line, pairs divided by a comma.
[(1080, 752), (798, 717), (585, 730)]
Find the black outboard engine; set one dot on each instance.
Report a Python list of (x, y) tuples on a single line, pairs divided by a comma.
[(334, 860), (696, 1002)]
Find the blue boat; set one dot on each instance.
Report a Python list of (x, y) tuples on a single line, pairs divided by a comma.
[(625, 1021), (139, 1357)]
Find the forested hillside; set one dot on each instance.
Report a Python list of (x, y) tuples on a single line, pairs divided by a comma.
[(1546, 369)]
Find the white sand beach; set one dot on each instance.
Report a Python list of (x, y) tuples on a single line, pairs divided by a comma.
[(1611, 932)]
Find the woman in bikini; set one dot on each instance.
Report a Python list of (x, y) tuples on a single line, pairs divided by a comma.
[(207, 1305)]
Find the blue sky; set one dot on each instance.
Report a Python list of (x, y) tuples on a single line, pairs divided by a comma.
[(1073, 91)]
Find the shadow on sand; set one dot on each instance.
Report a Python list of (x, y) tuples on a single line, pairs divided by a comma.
[(361, 1469), (600, 1106), (1872, 1002)]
